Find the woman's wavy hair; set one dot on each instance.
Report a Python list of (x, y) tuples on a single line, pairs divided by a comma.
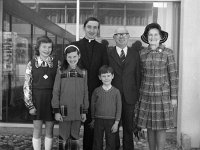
[(42, 39)]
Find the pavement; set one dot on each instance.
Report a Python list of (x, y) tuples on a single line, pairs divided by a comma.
[(21, 140)]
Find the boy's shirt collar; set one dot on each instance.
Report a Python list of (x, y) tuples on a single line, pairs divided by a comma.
[(106, 88)]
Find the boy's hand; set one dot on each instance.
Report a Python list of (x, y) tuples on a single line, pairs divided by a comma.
[(115, 127), (33, 111), (83, 117), (92, 123), (58, 117)]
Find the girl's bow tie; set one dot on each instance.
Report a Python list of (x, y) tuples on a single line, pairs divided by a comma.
[(48, 62)]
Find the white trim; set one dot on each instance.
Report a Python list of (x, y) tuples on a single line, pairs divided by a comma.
[(70, 1), (77, 19), (128, 1), (56, 126), (19, 125)]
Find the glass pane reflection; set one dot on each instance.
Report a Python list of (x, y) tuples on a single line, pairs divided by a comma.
[(16, 47)]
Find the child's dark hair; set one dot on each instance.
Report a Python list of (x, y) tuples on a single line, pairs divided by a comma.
[(69, 49), (91, 19), (106, 69), (42, 39)]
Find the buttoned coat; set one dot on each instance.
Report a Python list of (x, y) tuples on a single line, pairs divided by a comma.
[(126, 74)]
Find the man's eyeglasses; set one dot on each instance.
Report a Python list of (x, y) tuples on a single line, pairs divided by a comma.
[(121, 34)]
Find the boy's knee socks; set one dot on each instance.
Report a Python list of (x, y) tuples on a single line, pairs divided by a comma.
[(48, 143), (36, 143)]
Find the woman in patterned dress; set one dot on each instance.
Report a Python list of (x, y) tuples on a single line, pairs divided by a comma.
[(39, 79), (158, 91)]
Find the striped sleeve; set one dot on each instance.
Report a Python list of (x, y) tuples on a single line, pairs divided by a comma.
[(27, 88)]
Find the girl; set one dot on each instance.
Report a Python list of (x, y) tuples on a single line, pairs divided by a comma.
[(158, 92), (38, 85), (70, 98)]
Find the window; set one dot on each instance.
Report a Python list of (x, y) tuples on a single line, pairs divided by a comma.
[(16, 46)]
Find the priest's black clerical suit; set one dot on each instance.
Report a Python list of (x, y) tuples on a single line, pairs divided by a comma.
[(93, 56)]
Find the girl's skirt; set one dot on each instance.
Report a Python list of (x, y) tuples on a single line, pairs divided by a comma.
[(42, 102)]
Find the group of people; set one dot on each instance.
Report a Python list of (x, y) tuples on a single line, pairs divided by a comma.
[(101, 88)]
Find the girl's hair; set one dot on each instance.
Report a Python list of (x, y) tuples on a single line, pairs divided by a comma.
[(91, 19), (69, 49), (42, 39), (106, 69)]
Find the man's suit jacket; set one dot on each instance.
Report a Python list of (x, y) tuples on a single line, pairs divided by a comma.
[(126, 74), (99, 58)]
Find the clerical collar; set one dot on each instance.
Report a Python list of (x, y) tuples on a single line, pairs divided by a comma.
[(89, 40)]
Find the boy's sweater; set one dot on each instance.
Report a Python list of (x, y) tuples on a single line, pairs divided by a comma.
[(106, 104)]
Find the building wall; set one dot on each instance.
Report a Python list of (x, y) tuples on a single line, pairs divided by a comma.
[(189, 73), (1, 21)]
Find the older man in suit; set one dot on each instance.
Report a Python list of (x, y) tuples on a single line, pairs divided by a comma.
[(126, 64)]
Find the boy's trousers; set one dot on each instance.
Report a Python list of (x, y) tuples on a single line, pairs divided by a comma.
[(102, 126)]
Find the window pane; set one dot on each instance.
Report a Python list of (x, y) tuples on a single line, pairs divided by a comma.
[(16, 47), (71, 13), (52, 37), (86, 10), (54, 12), (6, 22), (138, 14), (111, 13), (37, 32), (59, 48), (66, 43)]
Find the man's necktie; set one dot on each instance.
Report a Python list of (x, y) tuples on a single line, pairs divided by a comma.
[(122, 55)]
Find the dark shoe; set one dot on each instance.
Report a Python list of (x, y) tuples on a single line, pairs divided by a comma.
[(61, 144)]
